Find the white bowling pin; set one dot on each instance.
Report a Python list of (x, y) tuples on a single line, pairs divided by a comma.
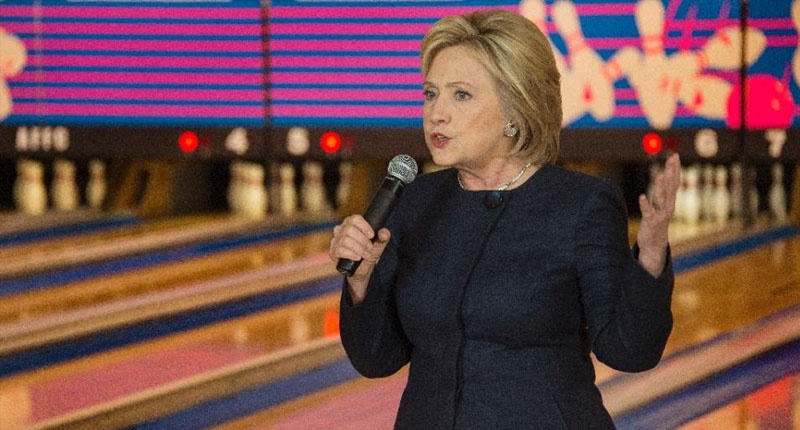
[(707, 193), (252, 195), (536, 12), (20, 182), (315, 200), (345, 184), (30, 193), (691, 197), (737, 191), (721, 196), (777, 194), (680, 197), (649, 73), (233, 195), (96, 185), (755, 201), (287, 201), (585, 88), (706, 96), (723, 50), (64, 190)]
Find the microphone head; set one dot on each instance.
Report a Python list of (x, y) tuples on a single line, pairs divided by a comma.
[(403, 167)]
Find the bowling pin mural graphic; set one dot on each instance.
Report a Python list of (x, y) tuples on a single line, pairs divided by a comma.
[(12, 60), (683, 64)]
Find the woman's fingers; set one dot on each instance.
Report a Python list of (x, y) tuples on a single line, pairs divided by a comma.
[(352, 239)]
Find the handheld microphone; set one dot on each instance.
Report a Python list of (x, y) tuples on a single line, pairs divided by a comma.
[(401, 171)]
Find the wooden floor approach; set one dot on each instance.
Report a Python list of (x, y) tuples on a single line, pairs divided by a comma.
[(279, 295)]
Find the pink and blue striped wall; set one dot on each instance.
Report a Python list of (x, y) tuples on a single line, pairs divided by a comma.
[(329, 63)]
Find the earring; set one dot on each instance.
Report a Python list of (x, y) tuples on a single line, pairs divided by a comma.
[(510, 130)]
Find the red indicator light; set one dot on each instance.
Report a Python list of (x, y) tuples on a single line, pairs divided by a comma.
[(330, 142), (188, 141), (651, 143)]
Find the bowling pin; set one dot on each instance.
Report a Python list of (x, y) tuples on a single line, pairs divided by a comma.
[(706, 96), (584, 86), (737, 191), (252, 196), (723, 50), (777, 194), (287, 200), (63, 189), (344, 187), (30, 194), (313, 194), (721, 196), (691, 196), (707, 192), (96, 186), (233, 195), (536, 12), (649, 73)]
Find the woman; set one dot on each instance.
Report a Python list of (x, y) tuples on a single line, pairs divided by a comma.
[(495, 278)]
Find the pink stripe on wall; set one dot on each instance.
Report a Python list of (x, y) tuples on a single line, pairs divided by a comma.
[(609, 8), (388, 95), (346, 111), (80, 28), (156, 95), (150, 110), (381, 28), (92, 12), (133, 62), (143, 78), (628, 111), (323, 61), (783, 41), (18, 11), (345, 45), (17, 27), (84, 45), (373, 12), (346, 78)]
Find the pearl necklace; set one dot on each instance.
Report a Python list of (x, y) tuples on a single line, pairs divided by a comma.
[(501, 187)]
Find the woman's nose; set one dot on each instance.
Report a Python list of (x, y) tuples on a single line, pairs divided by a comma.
[(436, 111)]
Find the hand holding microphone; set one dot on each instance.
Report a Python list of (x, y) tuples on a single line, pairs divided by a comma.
[(352, 238)]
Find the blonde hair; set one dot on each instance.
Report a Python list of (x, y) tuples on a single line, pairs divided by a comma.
[(520, 60)]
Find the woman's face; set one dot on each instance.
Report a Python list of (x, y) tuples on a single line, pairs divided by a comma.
[(462, 115)]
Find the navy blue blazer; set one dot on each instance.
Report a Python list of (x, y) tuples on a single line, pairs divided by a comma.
[(498, 304)]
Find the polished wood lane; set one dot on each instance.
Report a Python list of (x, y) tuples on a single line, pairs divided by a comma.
[(40, 256), (130, 373), (709, 301)]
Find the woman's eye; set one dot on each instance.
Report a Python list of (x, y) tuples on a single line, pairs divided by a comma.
[(462, 95), (429, 94)]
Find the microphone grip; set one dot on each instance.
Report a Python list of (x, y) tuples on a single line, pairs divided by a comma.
[(376, 215)]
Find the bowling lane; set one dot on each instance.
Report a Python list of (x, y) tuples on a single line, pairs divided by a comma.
[(119, 286), (90, 246), (730, 293), (134, 372), (710, 300), (50, 314)]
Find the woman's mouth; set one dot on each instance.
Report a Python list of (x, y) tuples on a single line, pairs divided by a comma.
[(439, 140)]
